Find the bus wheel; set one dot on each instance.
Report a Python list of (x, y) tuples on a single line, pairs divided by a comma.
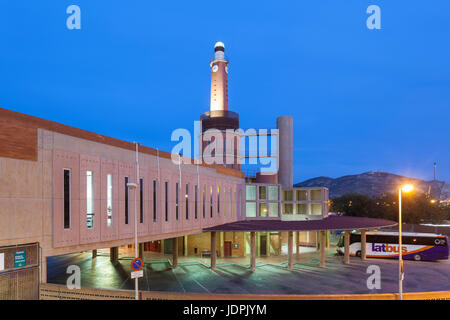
[(358, 253), (417, 257)]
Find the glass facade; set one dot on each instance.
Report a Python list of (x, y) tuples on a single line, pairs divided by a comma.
[(250, 209), (250, 192)]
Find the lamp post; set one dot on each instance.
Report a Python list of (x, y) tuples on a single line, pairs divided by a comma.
[(406, 188), (134, 186)]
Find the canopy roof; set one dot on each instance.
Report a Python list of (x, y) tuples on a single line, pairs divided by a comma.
[(329, 223)]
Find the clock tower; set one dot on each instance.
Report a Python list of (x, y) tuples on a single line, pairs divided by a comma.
[(219, 143)]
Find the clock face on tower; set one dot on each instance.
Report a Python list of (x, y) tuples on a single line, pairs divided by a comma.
[(215, 68)]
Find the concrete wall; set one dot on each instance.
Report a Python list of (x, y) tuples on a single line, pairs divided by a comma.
[(31, 196)]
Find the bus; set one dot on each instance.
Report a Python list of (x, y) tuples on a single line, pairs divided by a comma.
[(415, 246)]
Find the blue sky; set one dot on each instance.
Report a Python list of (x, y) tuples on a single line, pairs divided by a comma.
[(361, 99)]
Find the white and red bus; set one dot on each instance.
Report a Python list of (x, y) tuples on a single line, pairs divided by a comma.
[(415, 246)]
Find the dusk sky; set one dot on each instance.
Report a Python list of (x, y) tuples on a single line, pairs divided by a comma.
[(361, 99)]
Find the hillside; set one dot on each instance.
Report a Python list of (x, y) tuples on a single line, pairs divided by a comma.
[(375, 183)]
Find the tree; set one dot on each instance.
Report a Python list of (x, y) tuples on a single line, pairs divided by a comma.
[(416, 207)]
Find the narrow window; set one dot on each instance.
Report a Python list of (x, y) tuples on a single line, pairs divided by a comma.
[(109, 196), (187, 201), (196, 199), (218, 201), (211, 204), (126, 200), (154, 200), (204, 201), (176, 200), (167, 201), (89, 199), (141, 200), (67, 198)]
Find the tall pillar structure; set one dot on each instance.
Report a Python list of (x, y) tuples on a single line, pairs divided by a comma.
[(219, 142), (285, 151)]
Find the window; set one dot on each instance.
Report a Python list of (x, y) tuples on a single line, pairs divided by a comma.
[(109, 202), (196, 200), (250, 209), (166, 197), (273, 209), (126, 200), (301, 208), (316, 208), (141, 200), (218, 201), (302, 195), (187, 201), (67, 198), (263, 209), (211, 204), (262, 193), (287, 195), (204, 202), (176, 200), (89, 199), (250, 192), (154, 201), (316, 194), (288, 208), (273, 193)]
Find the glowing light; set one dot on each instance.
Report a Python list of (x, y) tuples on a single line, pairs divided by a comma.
[(407, 188)]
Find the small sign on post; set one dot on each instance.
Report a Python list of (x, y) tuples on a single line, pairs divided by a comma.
[(20, 259), (137, 274), (136, 264)]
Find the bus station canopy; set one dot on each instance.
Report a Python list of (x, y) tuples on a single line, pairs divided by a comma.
[(329, 223)]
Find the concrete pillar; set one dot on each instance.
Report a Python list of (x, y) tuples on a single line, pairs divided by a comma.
[(269, 239), (253, 251), (347, 247), (162, 246), (297, 243), (322, 248), (221, 245), (94, 253), (363, 244), (290, 250), (213, 250), (141, 251), (175, 253), (328, 236), (285, 150), (43, 269), (317, 241), (185, 246), (114, 253)]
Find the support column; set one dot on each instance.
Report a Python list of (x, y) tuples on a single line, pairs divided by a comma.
[(213, 250), (347, 247), (317, 240), (94, 253), (43, 269), (297, 243), (290, 250), (363, 244), (185, 246), (322, 248), (114, 253), (221, 245), (175, 253), (253, 251), (141, 251), (162, 246)]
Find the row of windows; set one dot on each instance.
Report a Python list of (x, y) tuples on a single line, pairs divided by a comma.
[(264, 193), (230, 198)]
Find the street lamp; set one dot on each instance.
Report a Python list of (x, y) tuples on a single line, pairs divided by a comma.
[(134, 186), (406, 188)]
